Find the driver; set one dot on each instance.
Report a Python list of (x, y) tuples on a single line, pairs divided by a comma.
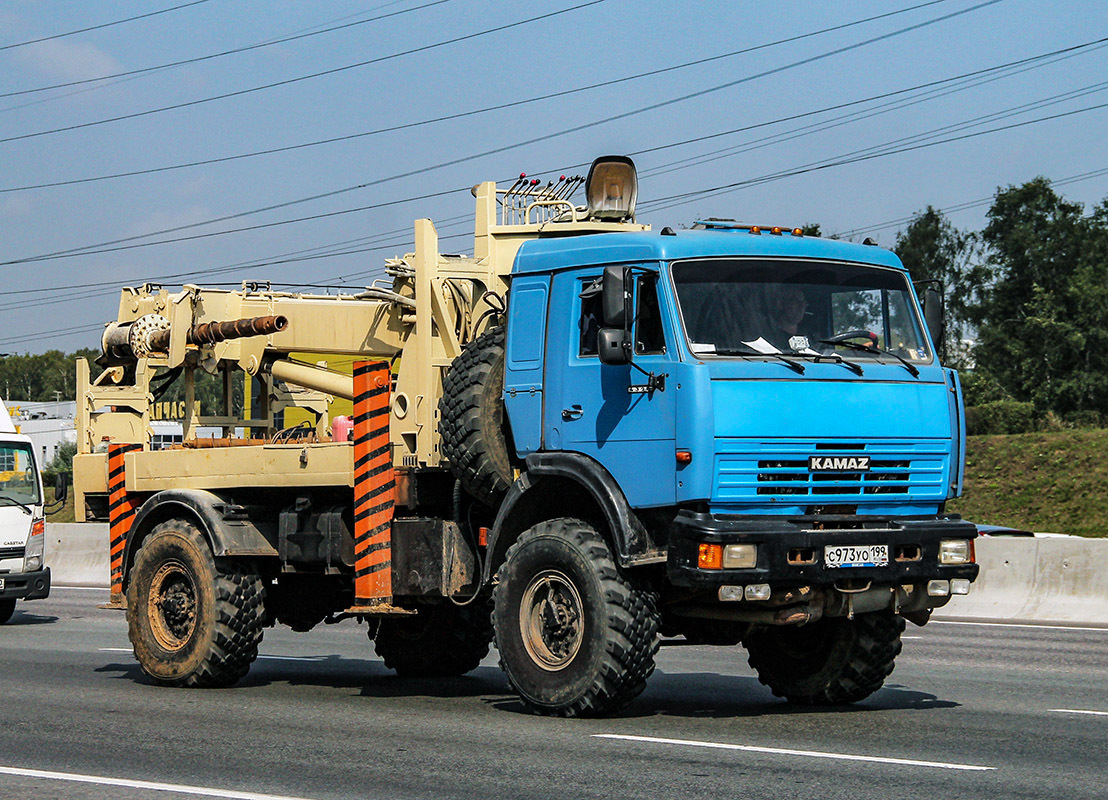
[(787, 308)]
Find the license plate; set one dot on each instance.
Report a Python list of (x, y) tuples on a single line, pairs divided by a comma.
[(1, 584), (856, 555)]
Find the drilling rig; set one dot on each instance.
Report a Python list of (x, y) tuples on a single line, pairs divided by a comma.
[(575, 437)]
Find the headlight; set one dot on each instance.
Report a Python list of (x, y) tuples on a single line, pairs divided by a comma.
[(956, 551), (36, 545), (740, 556)]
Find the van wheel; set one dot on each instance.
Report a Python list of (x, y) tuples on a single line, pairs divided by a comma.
[(830, 662), (576, 638), (192, 622), (7, 608)]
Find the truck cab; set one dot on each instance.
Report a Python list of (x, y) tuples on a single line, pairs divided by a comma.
[(770, 405), (23, 576)]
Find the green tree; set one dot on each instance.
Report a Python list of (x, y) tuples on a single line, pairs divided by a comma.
[(932, 249), (1042, 325), (62, 462)]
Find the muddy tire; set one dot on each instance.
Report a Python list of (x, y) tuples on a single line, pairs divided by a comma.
[(192, 622), (830, 662), (440, 641), (475, 437), (576, 638), (7, 608)]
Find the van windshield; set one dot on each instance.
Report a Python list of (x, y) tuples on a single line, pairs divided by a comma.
[(18, 478), (736, 307)]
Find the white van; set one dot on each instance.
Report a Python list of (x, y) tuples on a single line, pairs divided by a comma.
[(23, 576)]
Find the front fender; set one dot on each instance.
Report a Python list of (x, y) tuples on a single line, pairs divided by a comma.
[(528, 502)]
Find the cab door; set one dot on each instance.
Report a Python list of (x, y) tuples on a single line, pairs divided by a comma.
[(603, 411)]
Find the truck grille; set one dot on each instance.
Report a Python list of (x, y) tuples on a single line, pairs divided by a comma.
[(753, 473), (11, 552)]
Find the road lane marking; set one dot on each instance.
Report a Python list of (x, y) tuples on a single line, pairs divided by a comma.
[(1079, 711), (781, 751), (1018, 625), (270, 658), (100, 780)]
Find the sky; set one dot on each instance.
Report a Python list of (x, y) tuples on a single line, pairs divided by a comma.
[(298, 141)]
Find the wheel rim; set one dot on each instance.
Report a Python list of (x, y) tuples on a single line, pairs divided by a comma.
[(172, 605), (551, 620)]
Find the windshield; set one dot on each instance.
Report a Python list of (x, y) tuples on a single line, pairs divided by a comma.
[(734, 307), (18, 480)]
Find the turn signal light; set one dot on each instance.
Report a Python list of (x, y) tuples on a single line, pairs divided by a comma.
[(710, 556), (684, 457)]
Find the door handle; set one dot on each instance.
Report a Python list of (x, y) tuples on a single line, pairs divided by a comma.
[(573, 412)]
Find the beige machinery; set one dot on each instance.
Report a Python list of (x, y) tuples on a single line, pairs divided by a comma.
[(214, 539), (434, 304)]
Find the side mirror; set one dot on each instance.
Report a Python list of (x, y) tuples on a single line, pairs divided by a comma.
[(933, 313), (61, 487), (613, 346), (614, 299)]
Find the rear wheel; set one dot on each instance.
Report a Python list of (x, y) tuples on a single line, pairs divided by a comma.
[(192, 622), (443, 640), (7, 608), (829, 662), (576, 638)]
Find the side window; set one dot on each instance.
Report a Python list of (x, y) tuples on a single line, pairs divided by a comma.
[(649, 337), (589, 322)]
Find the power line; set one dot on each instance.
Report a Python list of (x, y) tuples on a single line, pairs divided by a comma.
[(469, 113), (309, 76), (111, 246), (964, 206), (56, 333), (675, 200), (102, 25), (280, 259), (106, 82), (221, 54), (807, 130)]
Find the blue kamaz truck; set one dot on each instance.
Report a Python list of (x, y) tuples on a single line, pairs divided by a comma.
[(591, 436)]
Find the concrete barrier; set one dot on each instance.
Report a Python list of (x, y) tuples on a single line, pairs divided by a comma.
[(77, 554), (1056, 579), (1062, 579)]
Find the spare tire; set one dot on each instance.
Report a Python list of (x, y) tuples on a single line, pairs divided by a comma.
[(474, 427)]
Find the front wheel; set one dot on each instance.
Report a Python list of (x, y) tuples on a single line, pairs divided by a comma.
[(830, 662), (576, 638), (7, 608), (192, 622)]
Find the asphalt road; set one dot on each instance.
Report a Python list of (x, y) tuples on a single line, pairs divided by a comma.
[(972, 711)]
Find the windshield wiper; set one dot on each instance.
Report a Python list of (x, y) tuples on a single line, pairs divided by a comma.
[(868, 348), (835, 358), (11, 501), (750, 351)]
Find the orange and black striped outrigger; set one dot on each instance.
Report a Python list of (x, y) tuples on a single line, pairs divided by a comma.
[(121, 513), (374, 486)]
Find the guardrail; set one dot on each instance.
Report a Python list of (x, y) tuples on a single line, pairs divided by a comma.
[(1025, 579)]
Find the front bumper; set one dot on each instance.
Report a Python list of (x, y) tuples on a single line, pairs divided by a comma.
[(26, 585), (791, 549)]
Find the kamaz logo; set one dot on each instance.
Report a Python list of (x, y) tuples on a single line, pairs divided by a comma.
[(838, 463)]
